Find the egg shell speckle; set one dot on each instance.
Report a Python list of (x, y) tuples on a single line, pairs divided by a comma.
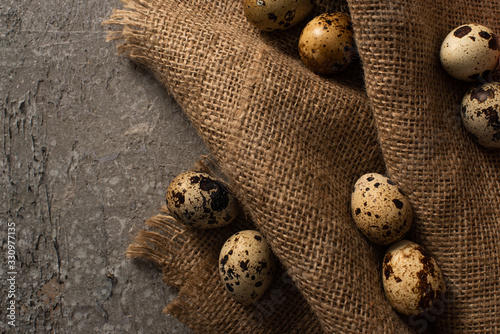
[(469, 52), (326, 44), (269, 15), (411, 278), (200, 200), (380, 210), (246, 266), (481, 113)]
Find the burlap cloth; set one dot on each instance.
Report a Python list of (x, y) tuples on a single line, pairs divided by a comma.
[(292, 144)]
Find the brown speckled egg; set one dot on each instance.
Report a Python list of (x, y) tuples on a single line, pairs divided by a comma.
[(481, 113), (380, 210), (326, 44), (269, 15), (469, 52), (200, 200), (411, 278), (246, 266)]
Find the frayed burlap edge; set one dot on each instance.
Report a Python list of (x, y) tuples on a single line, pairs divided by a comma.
[(161, 244), (132, 19)]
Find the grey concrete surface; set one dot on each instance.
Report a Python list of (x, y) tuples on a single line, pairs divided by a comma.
[(89, 144)]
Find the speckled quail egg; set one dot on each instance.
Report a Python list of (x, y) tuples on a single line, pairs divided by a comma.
[(246, 266), (380, 210), (269, 15), (200, 200), (481, 113), (469, 52), (411, 278), (326, 44)]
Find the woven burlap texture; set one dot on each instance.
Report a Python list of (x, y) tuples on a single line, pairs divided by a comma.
[(292, 144)]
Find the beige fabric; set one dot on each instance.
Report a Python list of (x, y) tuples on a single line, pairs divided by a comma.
[(292, 144)]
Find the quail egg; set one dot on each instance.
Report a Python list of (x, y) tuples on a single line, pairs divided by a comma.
[(411, 278), (269, 15), (200, 200), (481, 113), (380, 210), (326, 44), (246, 266), (469, 52)]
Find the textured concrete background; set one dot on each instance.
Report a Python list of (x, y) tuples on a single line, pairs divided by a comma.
[(90, 142)]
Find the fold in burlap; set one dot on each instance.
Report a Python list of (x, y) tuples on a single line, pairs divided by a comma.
[(292, 144)]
